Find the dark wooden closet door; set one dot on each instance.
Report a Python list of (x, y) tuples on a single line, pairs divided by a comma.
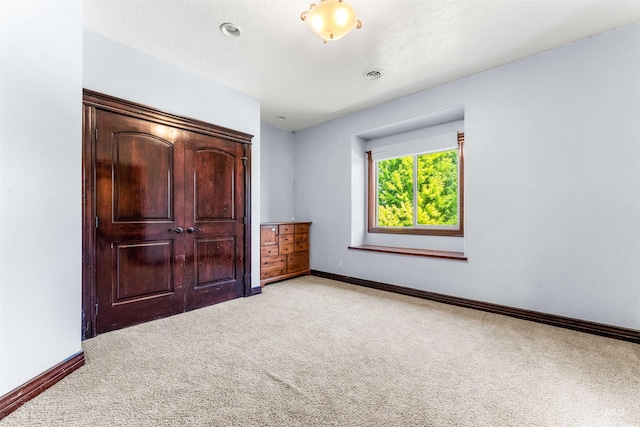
[(214, 215), (139, 208)]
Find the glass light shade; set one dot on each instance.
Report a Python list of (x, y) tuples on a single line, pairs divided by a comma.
[(331, 19)]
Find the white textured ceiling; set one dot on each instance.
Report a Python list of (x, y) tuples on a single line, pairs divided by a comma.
[(418, 43)]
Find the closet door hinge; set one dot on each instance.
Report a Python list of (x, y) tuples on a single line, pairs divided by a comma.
[(244, 219), (96, 309), (96, 222), (244, 160), (96, 134)]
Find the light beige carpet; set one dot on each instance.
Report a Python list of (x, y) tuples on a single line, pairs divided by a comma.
[(313, 352)]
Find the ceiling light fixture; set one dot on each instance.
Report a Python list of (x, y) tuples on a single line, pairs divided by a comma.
[(230, 30), (331, 19)]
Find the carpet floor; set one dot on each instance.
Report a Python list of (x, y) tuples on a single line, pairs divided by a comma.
[(314, 352)]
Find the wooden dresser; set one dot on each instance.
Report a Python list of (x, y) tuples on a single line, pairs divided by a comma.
[(284, 250)]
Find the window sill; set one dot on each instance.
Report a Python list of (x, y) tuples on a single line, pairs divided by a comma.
[(412, 252)]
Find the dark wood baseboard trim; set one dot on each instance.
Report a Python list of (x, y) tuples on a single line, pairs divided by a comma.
[(27, 391), (256, 291), (609, 331)]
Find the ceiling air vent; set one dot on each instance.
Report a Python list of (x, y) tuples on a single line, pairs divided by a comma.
[(373, 74)]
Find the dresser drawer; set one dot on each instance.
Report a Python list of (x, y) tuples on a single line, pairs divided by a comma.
[(301, 237), (302, 228), (297, 257), (273, 261), (286, 229), (268, 235), (287, 249), (302, 247), (268, 251), (286, 239), (268, 273), (297, 262)]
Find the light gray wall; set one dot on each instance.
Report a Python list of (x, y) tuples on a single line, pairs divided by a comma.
[(115, 69), (552, 185), (40, 191), (276, 179), (41, 81)]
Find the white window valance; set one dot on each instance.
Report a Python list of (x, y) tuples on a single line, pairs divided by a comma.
[(432, 144)]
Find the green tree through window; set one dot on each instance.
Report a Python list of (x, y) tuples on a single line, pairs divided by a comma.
[(438, 188), (395, 192), (421, 191)]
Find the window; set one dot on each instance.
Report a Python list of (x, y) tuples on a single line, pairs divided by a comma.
[(417, 187)]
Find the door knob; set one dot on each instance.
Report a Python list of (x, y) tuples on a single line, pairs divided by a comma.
[(177, 230), (193, 230)]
